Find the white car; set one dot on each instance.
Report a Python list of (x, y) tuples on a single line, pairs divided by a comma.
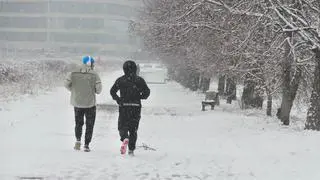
[(153, 73)]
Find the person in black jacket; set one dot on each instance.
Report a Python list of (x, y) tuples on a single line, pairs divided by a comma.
[(132, 88)]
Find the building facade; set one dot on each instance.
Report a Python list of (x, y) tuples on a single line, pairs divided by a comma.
[(72, 26)]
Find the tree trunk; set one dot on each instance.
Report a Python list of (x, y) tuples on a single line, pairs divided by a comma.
[(313, 116), (286, 105), (290, 84), (231, 90), (247, 94), (193, 80), (221, 85), (269, 105), (200, 83), (286, 102), (257, 101), (204, 83), (250, 98)]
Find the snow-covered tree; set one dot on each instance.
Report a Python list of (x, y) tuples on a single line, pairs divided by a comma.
[(264, 43)]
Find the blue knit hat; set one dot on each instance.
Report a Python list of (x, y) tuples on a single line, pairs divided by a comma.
[(87, 60)]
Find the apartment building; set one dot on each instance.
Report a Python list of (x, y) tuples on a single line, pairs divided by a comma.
[(73, 26)]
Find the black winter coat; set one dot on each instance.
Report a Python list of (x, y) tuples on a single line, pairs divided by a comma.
[(132, 88)]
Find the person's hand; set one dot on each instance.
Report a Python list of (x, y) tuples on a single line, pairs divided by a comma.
[(119, 102)]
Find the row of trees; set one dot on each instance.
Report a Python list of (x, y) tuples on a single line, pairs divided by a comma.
[(270, 46)]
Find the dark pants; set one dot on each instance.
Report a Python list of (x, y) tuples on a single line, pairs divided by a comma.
[(90, 114), (128, 123)]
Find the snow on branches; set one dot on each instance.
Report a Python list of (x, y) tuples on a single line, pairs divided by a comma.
[(228, 37)]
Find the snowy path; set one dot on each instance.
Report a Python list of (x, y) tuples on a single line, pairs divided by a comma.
[(38, 139)]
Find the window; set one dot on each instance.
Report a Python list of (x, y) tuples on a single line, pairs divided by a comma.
[(83, 23), (90, 8), (23, 7), (23, 22), (88, 38), (23, 36)]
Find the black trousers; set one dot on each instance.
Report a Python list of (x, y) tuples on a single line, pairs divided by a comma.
[(90, 114), (128, 123)]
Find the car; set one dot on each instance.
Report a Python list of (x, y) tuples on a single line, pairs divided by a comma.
[(153, 73)]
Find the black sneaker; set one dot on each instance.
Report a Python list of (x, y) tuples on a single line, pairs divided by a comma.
[(131, 153), (86, 148)]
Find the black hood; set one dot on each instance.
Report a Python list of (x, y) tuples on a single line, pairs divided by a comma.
[(130, 68)]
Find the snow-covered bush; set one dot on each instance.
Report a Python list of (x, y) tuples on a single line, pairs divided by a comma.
[(29, 77)]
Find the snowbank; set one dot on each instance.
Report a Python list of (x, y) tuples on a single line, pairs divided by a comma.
[(223, 144)]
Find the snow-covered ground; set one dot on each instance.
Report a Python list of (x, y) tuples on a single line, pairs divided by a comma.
[(37, 141)]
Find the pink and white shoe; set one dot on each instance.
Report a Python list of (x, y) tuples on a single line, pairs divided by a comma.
[(124, 146)]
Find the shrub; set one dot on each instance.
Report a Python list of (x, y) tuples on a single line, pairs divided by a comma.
[(30, 77)]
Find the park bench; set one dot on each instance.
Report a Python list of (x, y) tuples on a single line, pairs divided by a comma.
[(211, 99)]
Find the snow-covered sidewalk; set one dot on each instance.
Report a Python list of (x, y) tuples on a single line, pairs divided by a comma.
[(38, 141)]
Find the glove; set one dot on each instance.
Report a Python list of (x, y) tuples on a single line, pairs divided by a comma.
[(119, 102)]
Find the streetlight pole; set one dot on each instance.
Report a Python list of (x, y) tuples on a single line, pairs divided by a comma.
[(48, 24)]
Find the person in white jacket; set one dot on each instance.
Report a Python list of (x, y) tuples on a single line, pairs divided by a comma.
[(84, 83)]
